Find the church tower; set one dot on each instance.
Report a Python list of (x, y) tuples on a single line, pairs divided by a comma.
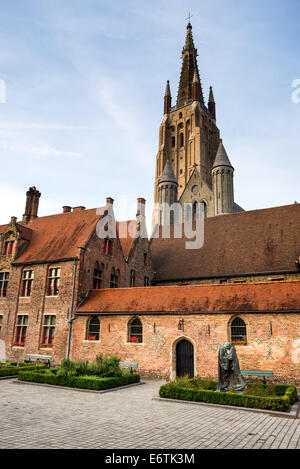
[(188, 134), (189, 140)]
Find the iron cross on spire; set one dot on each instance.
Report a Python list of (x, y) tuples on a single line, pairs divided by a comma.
[(189, 16)]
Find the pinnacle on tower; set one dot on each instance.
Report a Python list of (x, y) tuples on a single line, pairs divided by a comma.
[(168, 173), (222, 157), (189, 68), (212, 103), (167, 99)]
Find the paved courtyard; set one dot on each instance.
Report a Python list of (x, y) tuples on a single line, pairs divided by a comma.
[(42, 417)]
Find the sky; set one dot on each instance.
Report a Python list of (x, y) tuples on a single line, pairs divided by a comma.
[(81, 97)]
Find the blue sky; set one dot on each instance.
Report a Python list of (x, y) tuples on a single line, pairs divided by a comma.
[(85, 81)]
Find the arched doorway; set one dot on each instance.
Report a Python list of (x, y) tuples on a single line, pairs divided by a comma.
[(185, 359)]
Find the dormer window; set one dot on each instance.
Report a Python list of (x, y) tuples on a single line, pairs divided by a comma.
[(8, 247)]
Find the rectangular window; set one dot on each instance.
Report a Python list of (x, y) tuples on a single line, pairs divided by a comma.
[(97, 281), (1, 322), (107, 247), (54, 282), (48, 330), (132, 278), (4, 276), (28, 276), (21, 330), (8, 247), (145, 258), (146, 281)]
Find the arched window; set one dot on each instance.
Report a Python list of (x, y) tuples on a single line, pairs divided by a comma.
[(135, 331), (93, 329), (238, 332), (196, 210), (204, 208), (181, 139), (98, 276)]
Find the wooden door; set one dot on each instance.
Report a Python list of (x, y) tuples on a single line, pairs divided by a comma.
[(185, 359)]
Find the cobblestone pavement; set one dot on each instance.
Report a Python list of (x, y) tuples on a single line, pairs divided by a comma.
[(43, 417)]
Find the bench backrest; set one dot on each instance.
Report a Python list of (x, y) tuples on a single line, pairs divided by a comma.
[(38, 357), (128, 364), (256, 373)]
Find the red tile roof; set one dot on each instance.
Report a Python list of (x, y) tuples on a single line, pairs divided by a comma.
[(271, 296), (247, 242), (59, 236)]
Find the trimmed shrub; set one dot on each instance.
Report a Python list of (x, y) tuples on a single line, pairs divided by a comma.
[(282, 403), (82, 382), (15, 370)]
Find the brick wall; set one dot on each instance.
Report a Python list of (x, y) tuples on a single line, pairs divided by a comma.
[(273, 343)]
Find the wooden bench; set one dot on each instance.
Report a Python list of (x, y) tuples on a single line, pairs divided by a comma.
[(38, 358), (132, 366), (260, 374)]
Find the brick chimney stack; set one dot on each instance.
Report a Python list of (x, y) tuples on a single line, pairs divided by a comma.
[(32, 205)]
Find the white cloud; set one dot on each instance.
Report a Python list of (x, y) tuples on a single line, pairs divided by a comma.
[(38, 151), (37, 126)]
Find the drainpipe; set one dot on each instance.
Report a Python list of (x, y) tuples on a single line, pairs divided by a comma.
[(71, 319)]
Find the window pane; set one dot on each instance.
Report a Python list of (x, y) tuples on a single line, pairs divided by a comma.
[(238, 331), (136, 331)]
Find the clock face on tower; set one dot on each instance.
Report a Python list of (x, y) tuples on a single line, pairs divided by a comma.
[(195, 189)]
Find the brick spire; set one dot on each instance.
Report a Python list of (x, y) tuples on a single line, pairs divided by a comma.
[(189, 69)]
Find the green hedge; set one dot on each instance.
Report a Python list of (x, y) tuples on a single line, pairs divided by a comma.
[(15, 370), (282, 403), (82, 382)]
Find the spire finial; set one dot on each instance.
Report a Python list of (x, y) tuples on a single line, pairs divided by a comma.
[(189, 26)]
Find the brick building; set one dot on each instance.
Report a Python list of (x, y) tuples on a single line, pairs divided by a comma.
[(48, 265), (77, 284)]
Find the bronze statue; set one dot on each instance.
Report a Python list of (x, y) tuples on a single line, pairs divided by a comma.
[(229, 370)]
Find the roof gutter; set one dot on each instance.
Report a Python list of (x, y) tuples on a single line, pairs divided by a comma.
[(49, 261)]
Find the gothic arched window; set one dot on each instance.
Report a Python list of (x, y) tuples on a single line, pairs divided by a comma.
[(238, 331), (135, 331), (93, 329)]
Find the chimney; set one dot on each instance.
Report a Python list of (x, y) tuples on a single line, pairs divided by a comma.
[(32, 205), (109, 201), (78, 209), (141, 207), (67, 209)]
